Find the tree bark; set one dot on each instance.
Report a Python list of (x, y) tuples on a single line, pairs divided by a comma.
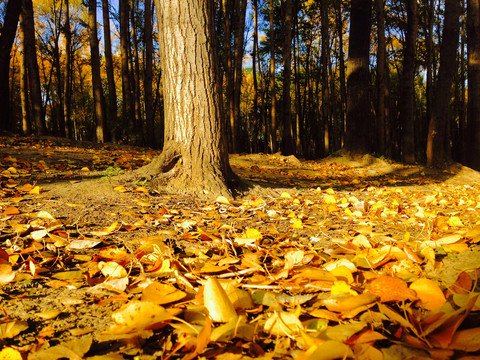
[(148, 74), (472, 148), (288, 144), (255, 116), (98, 99), (135, 76), (407, 96), (7, 38), (33, 73), (358, 105), (438, 150), (323, 131), (341, 64), (195, 150), (60, 125), (112, 93)]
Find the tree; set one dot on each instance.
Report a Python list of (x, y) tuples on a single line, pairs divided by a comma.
[(381, 76), (112, 93), (472, 144), (358, 105), (273, 123), (98, 97), (32, 65), (128, 110), (195, 157), (6, 41), (148, 74), (407, 97), (438, 150), (67, 88)]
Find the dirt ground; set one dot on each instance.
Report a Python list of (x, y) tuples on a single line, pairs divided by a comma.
[(79, 189)]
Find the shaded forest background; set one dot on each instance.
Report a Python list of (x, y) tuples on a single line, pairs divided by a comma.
[(396, 78)]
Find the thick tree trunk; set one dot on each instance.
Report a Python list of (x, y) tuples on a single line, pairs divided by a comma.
[(67, 87), (195, 149), (358, 105), (112, 93), (438, 150), (407, 96), (7, 37), (473, 107), (148, 75), (255, 116), (288, 145), (98, 98), (33, 73), (135, 69)]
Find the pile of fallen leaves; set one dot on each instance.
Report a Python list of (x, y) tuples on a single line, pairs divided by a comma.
[(355, 269)]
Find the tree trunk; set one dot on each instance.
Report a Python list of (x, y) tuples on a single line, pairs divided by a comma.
[(148, 74), (288, 145), (67, 87), (381, 76), (194, 126), (112, 93), (98, 98), (341, 64), (438, 150), (26, 115), (7, 38), (33, 74), (128, 110), (358, 105), (135, 76), (407, 95), (273, 123), (229, 71), (255, 116), (325, 61), (60, 126), (472, 148)]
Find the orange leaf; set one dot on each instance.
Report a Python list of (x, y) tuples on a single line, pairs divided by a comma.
[(429, 293), (11, 210), (390, 288), (466, 340)]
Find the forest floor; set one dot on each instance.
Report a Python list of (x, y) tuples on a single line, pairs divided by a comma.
[(345, 257)]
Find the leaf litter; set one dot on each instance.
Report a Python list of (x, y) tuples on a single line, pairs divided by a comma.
[(348, 257)]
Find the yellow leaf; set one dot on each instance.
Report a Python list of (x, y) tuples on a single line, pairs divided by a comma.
[(112, 269), (429, 293), (35, 190), (141, 189), (283, 324), (253, 234), (330, 199), (12, 328), (296, 224), (286, 195), (120, 188), (85, 168), (8, 353), (454, 221), (48, 315), (223, 200), (343, 272), (341, 287), (330, 191), (162, 293), (217, 302)]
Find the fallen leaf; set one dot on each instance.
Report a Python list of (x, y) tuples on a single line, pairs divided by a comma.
[(8, 353), (160, 294), (390, 288), (12, 328), (429, 293), (283, 324), (217, 302)]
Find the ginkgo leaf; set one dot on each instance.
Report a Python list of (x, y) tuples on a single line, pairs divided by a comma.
[(8, 353), (112, 269), (120, 189), (285, 195), (429, 293), (390, 288), (6, 273), (341, 287), (466, 340), (328, 350), (217, 302), (454, 221), (283, 324), (48, 314), (223, 200), (12, 328), (160, 294)]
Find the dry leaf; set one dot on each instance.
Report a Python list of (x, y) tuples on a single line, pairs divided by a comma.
[(390, 288), (12, 328), (429, 293), (283, 324), (8, 353), (217, 302), (160, 294)]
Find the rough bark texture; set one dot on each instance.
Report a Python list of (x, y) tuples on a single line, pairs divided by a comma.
[(273, 124), (96, 80), (6, 41), (341, 61), (128, 110), (358, 112), (323, 131), (473, 108), (112, 93), (407, 96), (288, 145), (438, 151), (33, 74), (195, 150), (24, 98)]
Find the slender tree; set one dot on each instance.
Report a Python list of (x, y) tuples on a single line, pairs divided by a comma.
[(194, 124), (67, 87), (288, 145), (24, 96), (381, 76), (358, 111), (273, 117), (112, 93), (148, 74), (128, 108), (472, 144), (323, 131), (7, 38), (407, 97), (98, 97), (32, 65), (438, 149)]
